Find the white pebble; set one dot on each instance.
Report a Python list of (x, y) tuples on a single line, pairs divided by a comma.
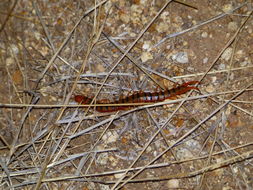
[(193, 144), (14, 48), (210, 89), (104, 187), (222, 66), (102, 158), (9, 61), (214, 79), (184, 153), (181, 57), (146, 45), (227, 54), (173, 183), (205, 60), (204, 35), (110, 137), (232, 26), (227, 7), (145, 56)]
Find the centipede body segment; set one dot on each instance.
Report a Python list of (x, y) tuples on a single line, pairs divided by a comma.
[(140, 97)]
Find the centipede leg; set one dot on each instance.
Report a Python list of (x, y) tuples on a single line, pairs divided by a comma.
[(186, 84)]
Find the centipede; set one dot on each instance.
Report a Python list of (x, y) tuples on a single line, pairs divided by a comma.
[(139, 97)]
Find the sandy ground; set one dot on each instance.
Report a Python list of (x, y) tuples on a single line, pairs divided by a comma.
[(51, 51)]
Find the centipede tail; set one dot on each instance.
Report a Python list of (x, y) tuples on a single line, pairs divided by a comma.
[(140, 97)]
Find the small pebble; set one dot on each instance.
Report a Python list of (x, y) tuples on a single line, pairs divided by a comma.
[(193, 144), (205, 60), (104, 187), (222, 66), (110, 137), (145, 56), (232, 76), (173, 183), (162, 27), (102, 158), (181, 57), (210, 89), (146, 45), (204, 35), (227, 54), (9, 61), (125, 18), (227, 7), (149, 149), (214, 118), (165, 15), (184, 153), (214, 79), (232, 26), (239, 54), (14, 48), (226, 188), (235, 169)]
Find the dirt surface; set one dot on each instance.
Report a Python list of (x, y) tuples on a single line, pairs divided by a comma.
[(52, 51)]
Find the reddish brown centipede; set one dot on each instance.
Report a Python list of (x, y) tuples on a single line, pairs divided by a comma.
[(140, 97)]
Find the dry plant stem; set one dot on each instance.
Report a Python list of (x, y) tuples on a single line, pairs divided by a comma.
[(130, 47), (6, 170), (209, 73), (15, 140), (44, 164), (145, 147), (146, 105), (215, 60), (225, 47), (186, 4), (76, 156), (19, 16), (230, 161), (134, 61), (198, 25), (163, 134), (96, 34), (33, 171), (188, 133), (8, 16), (93, 41), (222, 51), (80, 166), (209, 159), (35, 139), (42, 74), (49, 43), (43, 25), (121, 58), (235, 159)]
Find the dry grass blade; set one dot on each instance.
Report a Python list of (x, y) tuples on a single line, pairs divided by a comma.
[(65, 42), (198, 25), (8, 15), (187, 134), (125, 132)]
